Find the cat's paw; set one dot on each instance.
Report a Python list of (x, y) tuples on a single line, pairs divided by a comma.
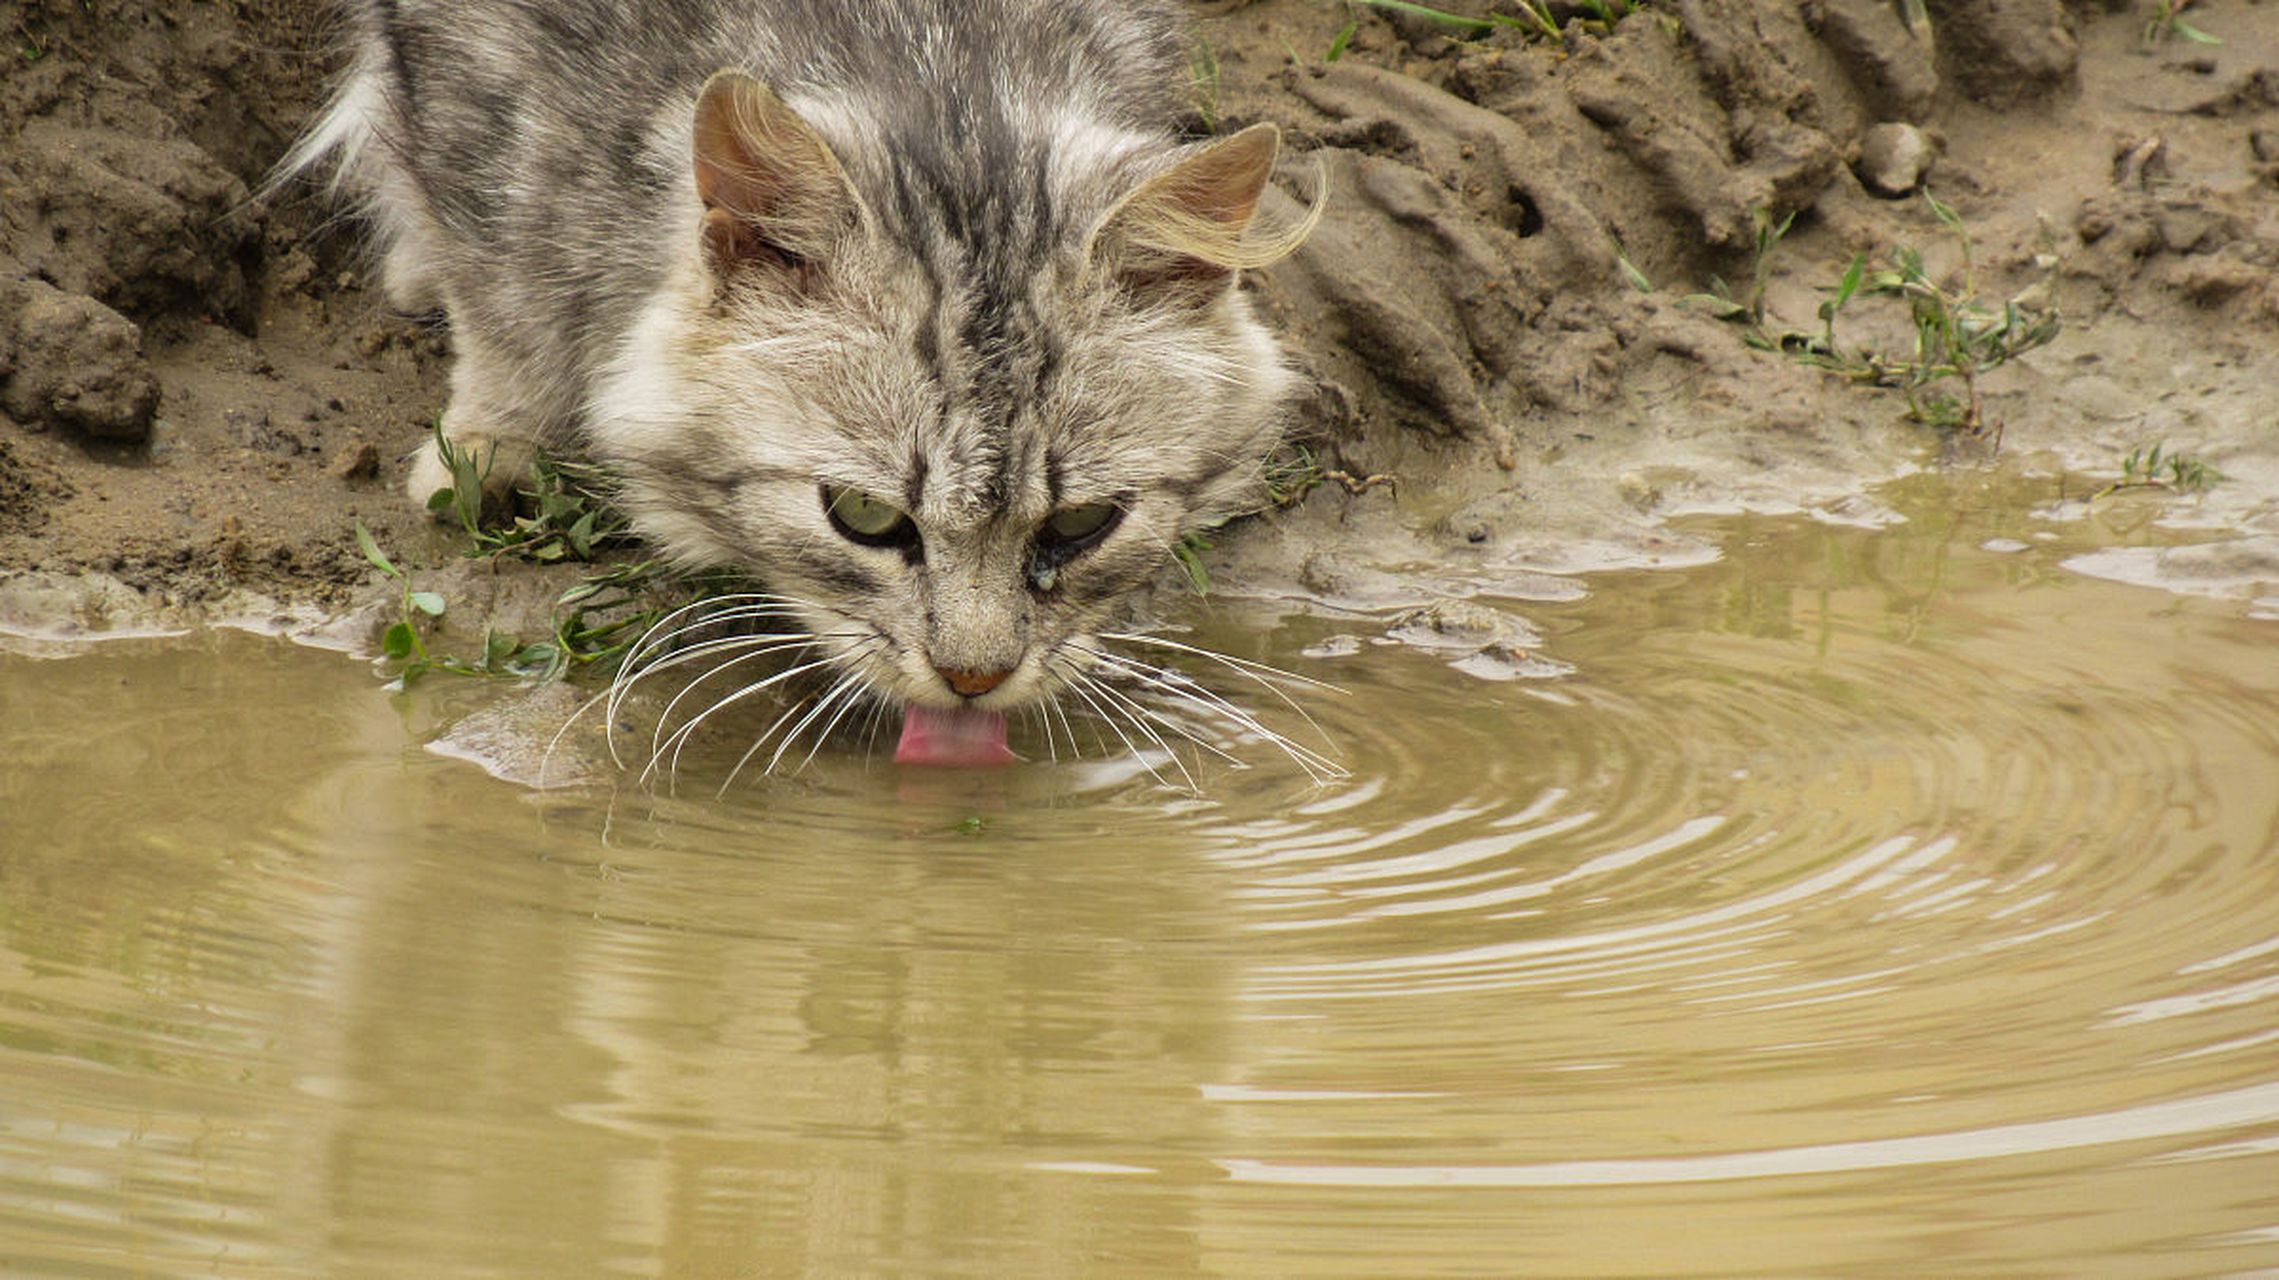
[(502, 462)]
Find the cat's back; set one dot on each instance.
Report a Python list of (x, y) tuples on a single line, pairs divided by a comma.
[(467, 79), (510, 152)]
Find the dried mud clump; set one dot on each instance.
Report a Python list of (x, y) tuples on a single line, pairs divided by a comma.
[(110, 212), (2008, 52), (70, 361)]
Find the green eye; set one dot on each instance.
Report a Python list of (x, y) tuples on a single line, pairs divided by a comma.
[(861, 518), (1089, 522), (1067, 534)]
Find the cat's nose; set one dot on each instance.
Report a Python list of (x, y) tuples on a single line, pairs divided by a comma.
[(973, 684)]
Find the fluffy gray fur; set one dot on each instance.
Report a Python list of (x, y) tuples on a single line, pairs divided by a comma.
[(1000, 289)]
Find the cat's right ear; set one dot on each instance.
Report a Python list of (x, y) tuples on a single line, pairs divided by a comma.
[(775, 198)]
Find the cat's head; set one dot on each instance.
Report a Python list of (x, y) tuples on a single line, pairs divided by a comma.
[(959, 386)]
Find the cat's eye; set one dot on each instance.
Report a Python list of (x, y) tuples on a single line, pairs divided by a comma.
[(1066, 534), (862, 518), (1083, 525)]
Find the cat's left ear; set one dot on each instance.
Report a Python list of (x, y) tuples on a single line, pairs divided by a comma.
[(1184, 233), (775, 198)]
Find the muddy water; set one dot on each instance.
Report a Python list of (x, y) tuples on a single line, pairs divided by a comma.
[(1865, 902)]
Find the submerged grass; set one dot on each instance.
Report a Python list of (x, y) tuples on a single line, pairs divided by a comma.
[(405, 644), (2156, 468)]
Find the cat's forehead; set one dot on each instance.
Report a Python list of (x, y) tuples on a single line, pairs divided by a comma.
[(974, 473)]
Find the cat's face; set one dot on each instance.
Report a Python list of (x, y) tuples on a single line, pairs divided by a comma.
[(960, 468)]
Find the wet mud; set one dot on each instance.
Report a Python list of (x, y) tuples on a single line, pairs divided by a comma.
[(201, 396)]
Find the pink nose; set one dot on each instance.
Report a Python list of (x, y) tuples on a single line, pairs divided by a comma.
[(973, 684)]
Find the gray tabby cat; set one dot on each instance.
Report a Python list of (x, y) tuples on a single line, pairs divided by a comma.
[(915, 310)]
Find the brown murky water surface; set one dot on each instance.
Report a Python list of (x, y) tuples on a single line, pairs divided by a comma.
[(1863, 903)]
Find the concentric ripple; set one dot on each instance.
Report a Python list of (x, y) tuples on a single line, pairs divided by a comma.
[(1869, 900)]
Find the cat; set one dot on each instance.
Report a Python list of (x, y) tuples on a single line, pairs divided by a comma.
[(917, 311)]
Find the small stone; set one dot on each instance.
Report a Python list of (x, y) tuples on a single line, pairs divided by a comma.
[(1893, 159), (358, 462), (1638, 491)]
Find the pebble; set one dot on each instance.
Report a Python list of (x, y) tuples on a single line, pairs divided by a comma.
[(1893, 158)]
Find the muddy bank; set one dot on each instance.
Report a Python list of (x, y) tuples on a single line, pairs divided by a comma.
[(201, 396)]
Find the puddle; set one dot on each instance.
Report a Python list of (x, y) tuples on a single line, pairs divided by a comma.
[(1871, 898)]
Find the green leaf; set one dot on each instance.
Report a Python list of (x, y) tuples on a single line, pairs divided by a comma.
[(1630, 272), (1474, 26), (581, 536), (537, 658), (1189, 551), (1945, 213), (1845, 287), (1338, 46), (443, 499), (371, 549), (1719, 308), (498, 646), (398, 641), (427, 602)]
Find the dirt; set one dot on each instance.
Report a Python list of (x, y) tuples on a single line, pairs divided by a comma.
[(201, 397)]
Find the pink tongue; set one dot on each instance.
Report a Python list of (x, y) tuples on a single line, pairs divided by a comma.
[(952, 737)]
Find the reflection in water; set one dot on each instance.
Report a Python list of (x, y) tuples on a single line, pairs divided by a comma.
[(1863, 900)]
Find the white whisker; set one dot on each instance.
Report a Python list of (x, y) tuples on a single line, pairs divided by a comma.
[(663, 627), (1132, 712), (679, 738), (759, 650), (1139, 708), (1258, 673), (1076, 686), (815, 707), (1178, 686), (858, 688)]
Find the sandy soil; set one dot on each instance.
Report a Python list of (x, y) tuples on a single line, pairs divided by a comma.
[(201, 397)]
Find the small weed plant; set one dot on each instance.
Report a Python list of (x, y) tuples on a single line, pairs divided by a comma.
[(1958, 337), (565, 516), (404, 644), (1533, 19), (1294, 470), (570, 515), (2167, 23)]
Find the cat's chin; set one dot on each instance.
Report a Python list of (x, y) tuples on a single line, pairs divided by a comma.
[(959, 737)]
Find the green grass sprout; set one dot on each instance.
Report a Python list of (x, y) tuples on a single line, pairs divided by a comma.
[(1631, 275), (1957, 335), (2168, 23), (1203, 84)]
